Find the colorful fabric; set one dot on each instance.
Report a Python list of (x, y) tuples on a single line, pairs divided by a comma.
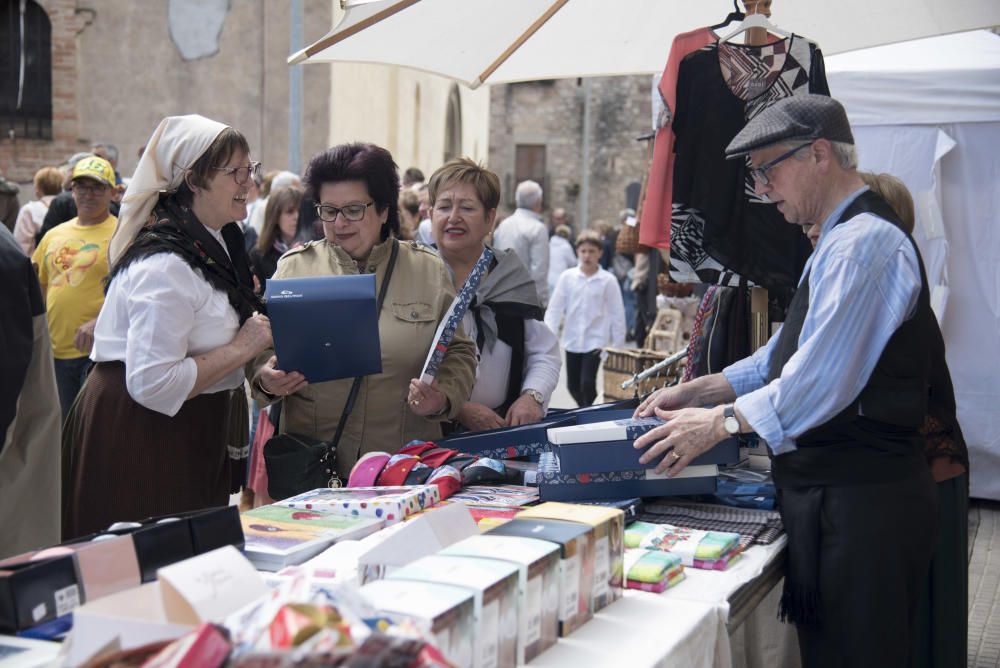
[(651, 566), (655, 588), (700, 549), (756, 527), (654, 225), (720, 228), (453, 317)]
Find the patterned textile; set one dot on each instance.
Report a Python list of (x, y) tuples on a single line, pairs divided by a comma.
[(697, 342), (709, 550), (452, 319), (652, 566), (720, 229), (756, 527)]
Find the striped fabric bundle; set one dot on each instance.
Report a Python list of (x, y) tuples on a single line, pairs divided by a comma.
[(710, 550), (652, 570)]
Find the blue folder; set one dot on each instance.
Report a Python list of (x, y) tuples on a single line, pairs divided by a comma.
[(621, 456), (325, 327)]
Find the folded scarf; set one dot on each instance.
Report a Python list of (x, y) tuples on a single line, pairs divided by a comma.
[(691, 545), (652, 566)]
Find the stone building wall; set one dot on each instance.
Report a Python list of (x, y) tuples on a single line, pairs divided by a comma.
[(551, 114), (119, 67)]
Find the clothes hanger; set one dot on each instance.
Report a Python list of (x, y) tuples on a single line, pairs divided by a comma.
[(735, 15), (755, 21)]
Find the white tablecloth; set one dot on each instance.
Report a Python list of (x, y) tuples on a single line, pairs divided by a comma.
[(684, 626)]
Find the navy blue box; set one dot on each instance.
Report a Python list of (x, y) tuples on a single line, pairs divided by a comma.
[(507, 442), (621, 456), (32, 592), (598, 412), (618, 485)]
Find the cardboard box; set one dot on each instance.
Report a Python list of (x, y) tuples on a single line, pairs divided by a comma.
[(389, 504), (33, 592), (609, 550), (494, 587), (626, 484), (538, 585), (576, 564), (507, 442), (105, 567), (607, 456), (444, 611), (206, 588), (613, 410), (418, 537)]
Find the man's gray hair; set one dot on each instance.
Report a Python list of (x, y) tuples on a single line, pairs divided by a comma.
[(110, 149), (846, 154), (528, 195), (625, 214)]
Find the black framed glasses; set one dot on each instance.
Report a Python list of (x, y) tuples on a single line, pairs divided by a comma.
[(759, 174), (241, 175), (352, 212)]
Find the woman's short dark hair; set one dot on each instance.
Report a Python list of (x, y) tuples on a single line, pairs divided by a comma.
[(229, 142), (368, 163)]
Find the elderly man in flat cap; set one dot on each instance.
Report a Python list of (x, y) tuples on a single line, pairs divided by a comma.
[(838, 394)]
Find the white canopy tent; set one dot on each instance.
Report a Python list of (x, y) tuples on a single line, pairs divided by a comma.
[(928, 111), (500, 41)]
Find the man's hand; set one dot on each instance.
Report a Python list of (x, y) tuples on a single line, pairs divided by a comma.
[(524, 410), (666, 398), (688, 433), (277, 382), (83, 340), (477, 417)]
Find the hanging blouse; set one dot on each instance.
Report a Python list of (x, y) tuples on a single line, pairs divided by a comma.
[(654, 226), (720, 229)]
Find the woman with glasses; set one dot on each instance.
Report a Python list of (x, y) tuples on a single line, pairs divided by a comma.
[(162, 419), (357, 190)]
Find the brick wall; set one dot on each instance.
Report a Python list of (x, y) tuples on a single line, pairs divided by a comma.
[(551, 113), (20, 158)]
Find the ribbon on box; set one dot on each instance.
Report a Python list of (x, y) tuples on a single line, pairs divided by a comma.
[(449, 324)]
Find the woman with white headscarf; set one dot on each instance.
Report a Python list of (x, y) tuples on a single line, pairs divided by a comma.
[(163, 410)]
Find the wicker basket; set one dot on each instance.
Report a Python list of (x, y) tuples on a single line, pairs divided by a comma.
[(623, 363)]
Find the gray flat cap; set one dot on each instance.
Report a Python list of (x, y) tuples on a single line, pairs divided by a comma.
[(798, 118)]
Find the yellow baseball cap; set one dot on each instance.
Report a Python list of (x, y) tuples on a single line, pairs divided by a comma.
[(95, 168)]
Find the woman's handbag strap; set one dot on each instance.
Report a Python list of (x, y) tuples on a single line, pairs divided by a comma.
[(353, 394)]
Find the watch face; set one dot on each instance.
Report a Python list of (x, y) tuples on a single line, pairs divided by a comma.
[(732, 425)]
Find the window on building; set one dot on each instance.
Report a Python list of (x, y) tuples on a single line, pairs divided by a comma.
[(453, 126), (529, 163), (25, 70)]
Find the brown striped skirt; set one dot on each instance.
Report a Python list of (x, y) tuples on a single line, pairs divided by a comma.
[(125, 462)]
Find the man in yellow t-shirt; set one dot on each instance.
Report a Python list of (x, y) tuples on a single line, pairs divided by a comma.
[(72, 263)]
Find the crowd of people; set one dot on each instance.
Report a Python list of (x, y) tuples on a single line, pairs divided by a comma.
[(157, 325), (154, 286)]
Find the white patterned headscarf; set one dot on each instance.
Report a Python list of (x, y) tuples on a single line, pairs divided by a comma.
[(176, 144)]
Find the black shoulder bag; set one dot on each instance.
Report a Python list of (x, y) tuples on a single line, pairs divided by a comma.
[(297, 463)]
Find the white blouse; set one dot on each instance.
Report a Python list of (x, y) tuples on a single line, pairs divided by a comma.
[(158, 313), (542, 362)]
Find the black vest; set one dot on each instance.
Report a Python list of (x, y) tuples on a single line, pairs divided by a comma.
[(875, 438)]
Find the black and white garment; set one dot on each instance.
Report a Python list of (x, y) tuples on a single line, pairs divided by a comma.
[(720, 229)]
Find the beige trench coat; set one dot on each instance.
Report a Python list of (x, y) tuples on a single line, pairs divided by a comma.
[(420, 293)]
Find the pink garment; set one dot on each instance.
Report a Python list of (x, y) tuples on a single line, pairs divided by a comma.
[(654, 226)]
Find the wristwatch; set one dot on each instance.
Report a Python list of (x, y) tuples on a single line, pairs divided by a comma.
[(536, 395), (729, 421)]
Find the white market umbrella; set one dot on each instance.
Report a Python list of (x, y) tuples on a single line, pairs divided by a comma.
[(501, 41)]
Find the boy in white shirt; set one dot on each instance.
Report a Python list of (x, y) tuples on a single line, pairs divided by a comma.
[(588, 302)]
